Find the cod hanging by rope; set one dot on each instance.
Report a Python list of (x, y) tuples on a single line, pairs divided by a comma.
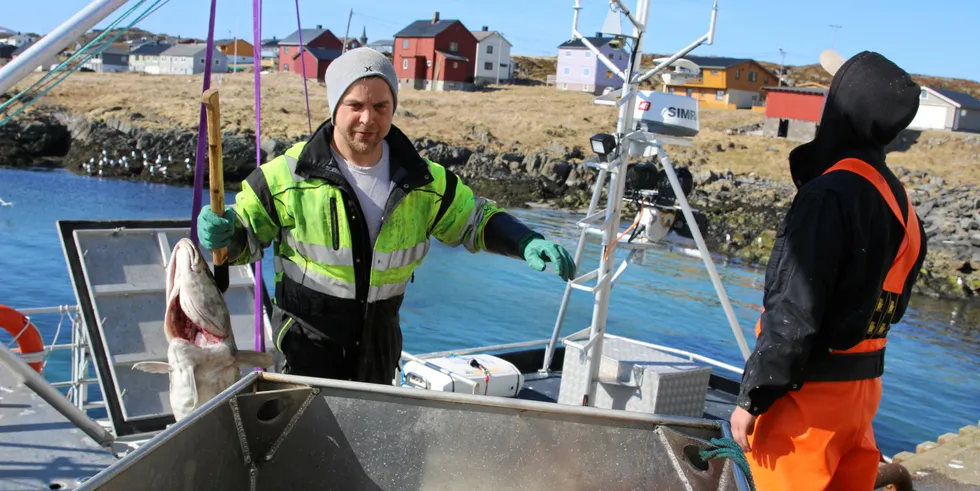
[(203, 359)]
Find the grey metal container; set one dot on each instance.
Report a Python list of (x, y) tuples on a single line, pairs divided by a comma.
[(634, 376), (272, 431)]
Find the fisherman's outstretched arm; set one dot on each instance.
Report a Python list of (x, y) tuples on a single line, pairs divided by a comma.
[(477, 223), (256, 220), (807, 255)]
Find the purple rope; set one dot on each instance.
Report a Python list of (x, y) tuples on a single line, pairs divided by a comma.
[(302, 60), (257, 68), (201, 129)]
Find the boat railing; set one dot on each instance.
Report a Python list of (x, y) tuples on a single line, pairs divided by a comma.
[(583, 334), (74, 406), (78, 380)]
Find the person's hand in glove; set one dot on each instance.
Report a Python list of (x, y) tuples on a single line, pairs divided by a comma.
[(539, 250), (215, 232)]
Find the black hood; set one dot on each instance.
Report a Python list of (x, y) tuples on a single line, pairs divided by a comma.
[(870, 101)]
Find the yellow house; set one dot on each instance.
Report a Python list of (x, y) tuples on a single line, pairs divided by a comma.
[(731, 83), (234, 47)]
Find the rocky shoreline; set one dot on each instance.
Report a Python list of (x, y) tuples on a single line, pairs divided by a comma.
[(743, 210)]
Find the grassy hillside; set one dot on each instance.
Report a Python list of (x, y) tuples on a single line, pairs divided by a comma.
[(537, 68), (508, 118)]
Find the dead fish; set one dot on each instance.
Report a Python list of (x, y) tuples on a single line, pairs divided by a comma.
[(203, 359)]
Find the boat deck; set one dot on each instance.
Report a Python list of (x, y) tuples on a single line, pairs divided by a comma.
[(40, 448)]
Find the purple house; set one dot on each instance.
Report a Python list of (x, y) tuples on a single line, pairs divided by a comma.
[(579, 69)]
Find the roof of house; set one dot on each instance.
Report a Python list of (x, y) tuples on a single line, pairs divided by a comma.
[(425, 28), (716, 61), (186, 50), (151, 49), (270, 43), (383, 42), (7, 50), (321, 54), (452, 56), (115, 50), (481, 35), (577, 43), (965, 101), (308, 35), (798, 90)]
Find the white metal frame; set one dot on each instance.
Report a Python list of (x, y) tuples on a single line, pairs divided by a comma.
[(55, 41), (607, 222)]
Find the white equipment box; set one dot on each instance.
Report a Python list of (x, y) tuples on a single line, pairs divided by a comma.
[(666, 114), (635, 376), (493, 376)]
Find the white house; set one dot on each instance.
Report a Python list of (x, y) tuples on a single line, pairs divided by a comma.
[(493, 61), (944, 109), (19, 40), (189, 59), (146, 58), (385, 46)]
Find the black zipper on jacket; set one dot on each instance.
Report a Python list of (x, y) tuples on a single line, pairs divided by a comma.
[(334, 225)]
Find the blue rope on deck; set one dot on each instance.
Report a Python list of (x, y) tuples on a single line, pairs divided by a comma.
[(727, 448)]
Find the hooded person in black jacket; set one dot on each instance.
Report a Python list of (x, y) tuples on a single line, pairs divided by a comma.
[(841, 271)]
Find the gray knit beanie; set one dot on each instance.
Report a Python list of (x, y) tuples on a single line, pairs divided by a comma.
[(353, 66)]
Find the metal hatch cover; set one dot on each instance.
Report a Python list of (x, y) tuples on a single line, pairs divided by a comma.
[(272, 431), (118, 273)]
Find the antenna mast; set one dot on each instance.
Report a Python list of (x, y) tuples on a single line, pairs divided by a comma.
[(614, 152)]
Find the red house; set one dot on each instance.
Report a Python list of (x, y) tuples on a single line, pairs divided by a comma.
[(435, 55), (793, 112), (322, 47)]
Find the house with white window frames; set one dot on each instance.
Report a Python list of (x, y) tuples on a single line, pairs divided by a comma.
[(945, 109), (493, 63), (579, 69)]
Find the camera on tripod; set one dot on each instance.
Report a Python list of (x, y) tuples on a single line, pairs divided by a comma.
[(648, 185)]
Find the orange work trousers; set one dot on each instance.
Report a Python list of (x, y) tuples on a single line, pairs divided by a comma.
[(819, 437)]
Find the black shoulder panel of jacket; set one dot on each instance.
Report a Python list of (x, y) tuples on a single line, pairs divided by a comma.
[(505, 235)]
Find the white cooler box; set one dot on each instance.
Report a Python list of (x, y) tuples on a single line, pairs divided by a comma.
[(505, 380)]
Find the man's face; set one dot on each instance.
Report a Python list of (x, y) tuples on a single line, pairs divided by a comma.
[(364, 114)]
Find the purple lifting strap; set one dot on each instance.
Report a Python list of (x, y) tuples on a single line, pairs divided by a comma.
[(201, 134), (257, 68)]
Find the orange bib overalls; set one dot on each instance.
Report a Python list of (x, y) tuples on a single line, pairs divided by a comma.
[(820, 437)]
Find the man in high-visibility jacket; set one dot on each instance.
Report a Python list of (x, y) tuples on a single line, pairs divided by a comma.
[(841, 272), (351, 211)]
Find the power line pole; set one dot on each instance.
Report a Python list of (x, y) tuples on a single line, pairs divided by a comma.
[(782, 65), (834, 40), (500, 43), (347, 31)]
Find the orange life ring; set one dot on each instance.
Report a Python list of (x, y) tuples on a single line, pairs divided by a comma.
[(28, 338)]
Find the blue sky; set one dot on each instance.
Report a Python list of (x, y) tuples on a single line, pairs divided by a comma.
[(929, 38)]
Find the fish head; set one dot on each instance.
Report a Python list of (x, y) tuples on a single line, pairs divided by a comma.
[(197, 316)]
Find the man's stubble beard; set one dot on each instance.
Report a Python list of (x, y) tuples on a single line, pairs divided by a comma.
[(358, 146)]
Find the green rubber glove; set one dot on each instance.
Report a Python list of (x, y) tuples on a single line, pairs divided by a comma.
[(537, 251), (215, 231)]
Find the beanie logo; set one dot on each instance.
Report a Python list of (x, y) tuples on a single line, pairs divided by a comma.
[(367, 69)]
